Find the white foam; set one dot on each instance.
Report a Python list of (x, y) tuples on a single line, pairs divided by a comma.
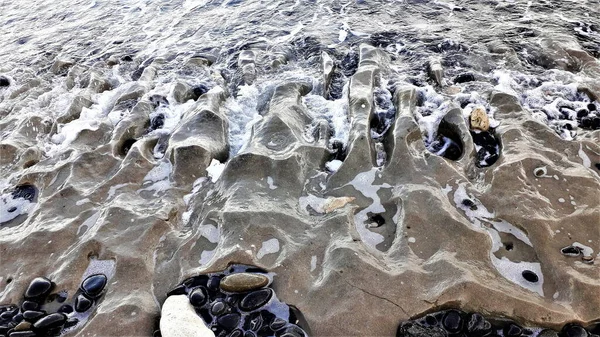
[(585, 160), (210, 232), (585, 250), (113, 189), (270, 246), (157, 179), (11, 208), (82, 201), (333, 165), (364, 183), (215, 169), (206, 256), (313, 263), (513, 272), (271, 183)]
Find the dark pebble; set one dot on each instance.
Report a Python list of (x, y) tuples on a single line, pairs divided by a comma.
[(29, 305), (4, 81), (126, 58), (196, 281), (512, 330), (452, 321), (137, 73), (94, 284), (573, 330), (229, 321), (249, 334), (466, 77), (530, 276), (56, 320), (256, 299), (39, 287), (293, 331), (218, 308), (198, 297), (431, 320), (12, 209), (7, 315), (66, 309), (4, 330), (71, 322), (469, 203), (278, 324), (478, 326), (8, 307), (157, 122), (597, 166), (82, 303), (582, 113), (33, 315), (179, 290), (591, 107), (592, 123), (18, 318), (27, 333), (213, 283), (26, 192)]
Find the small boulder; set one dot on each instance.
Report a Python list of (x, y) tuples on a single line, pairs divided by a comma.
[(480, 119), (4, 81), (179, 319), (243, 282)]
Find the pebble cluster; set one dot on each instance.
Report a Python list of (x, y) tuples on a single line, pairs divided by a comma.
[(48, 314), (239, 302), (455, 323)]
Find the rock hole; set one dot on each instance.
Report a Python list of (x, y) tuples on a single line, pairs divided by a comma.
[(29, 163), (540, 172), (157, 122), (488, 148), (25, 191), (571, 251), (530, 276), (376, 220), (127, 146), (509, 246), (9, 280), (447, 143), (469, 203)]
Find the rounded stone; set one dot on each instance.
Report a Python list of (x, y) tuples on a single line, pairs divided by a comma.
[(548, 333), (55, 320), (256, 299), (4, 81), (29, 305), (278, 324), (66, 309), (452, 321), (249, 334), (71, 322), (39, 287), (198, 297), (243, 282), (218, 308), (179, 319), (229, 321), (33, 315), (236, 333), (213, 283), (512, 330), (479, 119), (478, 325), (94, 284), (573, 330), (23, 326), (82, 303)]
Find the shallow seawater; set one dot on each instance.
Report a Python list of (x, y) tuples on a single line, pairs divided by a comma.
[(328, 142)]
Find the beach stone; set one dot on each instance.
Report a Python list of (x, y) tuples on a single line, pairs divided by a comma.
[(478, 325), (29, 305), (278, 324), (479, 119), (256, 299), (465, 77), (243, 282), (23, 326), (198, 297), (218, 308), (229, 321), (94, 284), (82, 303), (32, 316), (66, 309), (71, 322), (55, 320), (4, 81), (574, 330), (452, 321), (179, 319), (40, 286)]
